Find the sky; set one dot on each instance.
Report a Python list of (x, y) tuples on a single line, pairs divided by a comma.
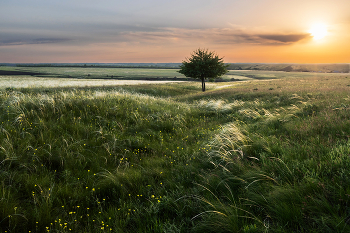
[(115, 31)]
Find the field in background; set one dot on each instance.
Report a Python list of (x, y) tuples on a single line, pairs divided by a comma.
[(268, 154), (40, 82), (97, 73), (25, 77), (319, 68), (288, 67)]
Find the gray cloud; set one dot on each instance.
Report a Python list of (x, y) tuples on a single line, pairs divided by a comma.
[(282, 38), (213, 35), (24, 41), (122, 33), (245, 36)]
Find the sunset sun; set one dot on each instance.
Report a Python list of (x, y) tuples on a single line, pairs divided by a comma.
[(318, 31)]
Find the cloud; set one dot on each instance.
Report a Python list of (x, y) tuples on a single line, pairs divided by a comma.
[(246, 36), (282, 38), (24, 41), (211, 35), (93, 34)]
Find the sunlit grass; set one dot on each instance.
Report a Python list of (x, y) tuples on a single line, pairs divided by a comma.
[(262, 156), (45, 82), (282, 178)]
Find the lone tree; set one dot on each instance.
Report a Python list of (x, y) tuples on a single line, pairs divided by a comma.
[(202, 65)]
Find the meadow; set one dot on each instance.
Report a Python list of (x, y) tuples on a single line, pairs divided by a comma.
[(51, 76), (270, 153)]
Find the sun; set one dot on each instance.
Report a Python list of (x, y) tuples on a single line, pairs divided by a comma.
[(318, 31)]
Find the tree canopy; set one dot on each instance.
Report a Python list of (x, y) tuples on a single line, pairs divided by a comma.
[(202, 65)]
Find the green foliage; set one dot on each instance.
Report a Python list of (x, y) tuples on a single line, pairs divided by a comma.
[(203, 65)]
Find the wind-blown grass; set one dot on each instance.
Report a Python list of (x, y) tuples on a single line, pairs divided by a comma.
[(282, 177), (67, 154), (166, 158)]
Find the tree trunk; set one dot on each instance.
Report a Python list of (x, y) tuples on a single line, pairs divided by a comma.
[(203, 84)]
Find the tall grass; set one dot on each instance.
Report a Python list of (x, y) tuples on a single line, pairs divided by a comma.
[(79, 160), (283, 169), (173, 159)]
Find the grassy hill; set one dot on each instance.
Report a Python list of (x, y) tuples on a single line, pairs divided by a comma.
[(255, 156)]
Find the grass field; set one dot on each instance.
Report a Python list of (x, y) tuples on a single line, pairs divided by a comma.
[(97, 73), (34, 77), (24, 81), (269, 154)]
